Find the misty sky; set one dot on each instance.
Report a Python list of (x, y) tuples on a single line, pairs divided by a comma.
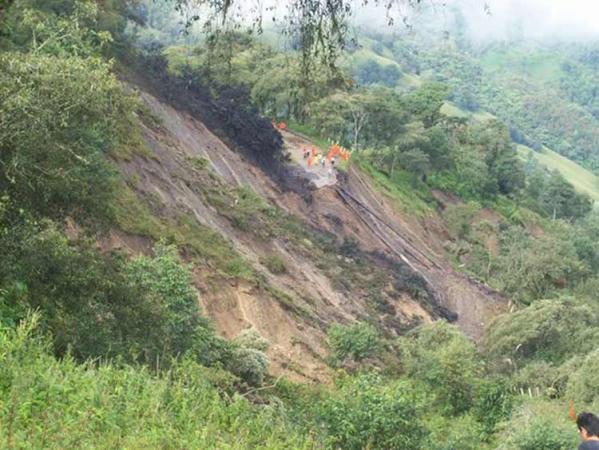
[(578, 19), (542, 19)]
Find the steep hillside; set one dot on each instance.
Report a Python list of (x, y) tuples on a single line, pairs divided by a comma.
[(343, 252)]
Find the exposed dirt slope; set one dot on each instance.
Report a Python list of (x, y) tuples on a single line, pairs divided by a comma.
[(379, 265), (473, 302)]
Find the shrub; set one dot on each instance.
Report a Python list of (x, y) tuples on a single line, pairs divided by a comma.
[(549, 330), (57, 403), (275, 264), (583, 384), (164, 279), (460, 433), (442, 357), (458, 219), (542, 435), (96, 305), (531, 268), (249, 360), (368, 413), (356, 341), (538, 424), (493, 403)]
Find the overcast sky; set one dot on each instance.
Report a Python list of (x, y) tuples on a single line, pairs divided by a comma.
[(560, 19), (538, 18), (543, 19)]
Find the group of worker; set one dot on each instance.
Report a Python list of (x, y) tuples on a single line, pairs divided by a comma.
[(314, 158)]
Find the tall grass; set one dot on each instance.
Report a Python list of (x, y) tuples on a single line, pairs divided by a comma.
[(59, 404)]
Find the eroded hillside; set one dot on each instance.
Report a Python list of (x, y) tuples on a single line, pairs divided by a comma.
[(298, 259)]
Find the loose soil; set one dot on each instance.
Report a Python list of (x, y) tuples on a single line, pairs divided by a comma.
[(311, 296)]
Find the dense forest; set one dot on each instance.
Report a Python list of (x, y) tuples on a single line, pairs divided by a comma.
[(103, 350)]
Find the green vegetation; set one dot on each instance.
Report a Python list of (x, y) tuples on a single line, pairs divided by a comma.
[(205, 246), (118, 353), (51, 403), (400, 187), (356, 342), (275, 264), (579, 177), (369, 413)]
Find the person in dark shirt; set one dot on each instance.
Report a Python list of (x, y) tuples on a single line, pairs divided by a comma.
[(588, 427)]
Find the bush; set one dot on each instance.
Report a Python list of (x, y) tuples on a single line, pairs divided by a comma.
[(96, 305), (493, 404), (530, 268), (167, 283), (357, 341), (461, 433), (538, 424), (249, 360), (368, 413), (442, 357), (458, 219), (275, 264), (583, 384), (548, 330), (542, 435), (52, 403)]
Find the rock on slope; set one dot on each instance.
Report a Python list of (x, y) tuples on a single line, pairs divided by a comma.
[(377, 264)]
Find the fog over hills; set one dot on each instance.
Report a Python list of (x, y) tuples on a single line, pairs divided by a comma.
[(554, 20)]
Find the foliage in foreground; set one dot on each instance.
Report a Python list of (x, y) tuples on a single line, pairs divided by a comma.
[(56, 404)]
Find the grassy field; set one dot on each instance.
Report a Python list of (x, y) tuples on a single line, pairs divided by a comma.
[(365, 54), (537, 63), (451, 110), (582, 179)]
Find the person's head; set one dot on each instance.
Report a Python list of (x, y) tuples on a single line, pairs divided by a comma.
[(588, 425)]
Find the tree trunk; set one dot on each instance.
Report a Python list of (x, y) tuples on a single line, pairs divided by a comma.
[(394, 158), (359, 119)]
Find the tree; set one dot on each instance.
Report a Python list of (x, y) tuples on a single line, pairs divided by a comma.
[(442, 357), (406, 149), (547, 330), (318, 26), (164, 279), (506, 169), (61, 114), (363, 117), (425, 103), (531, 268), (560, 200), (371, 72), (437, 146), (59, 119), (417, 162), (4, 5)]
